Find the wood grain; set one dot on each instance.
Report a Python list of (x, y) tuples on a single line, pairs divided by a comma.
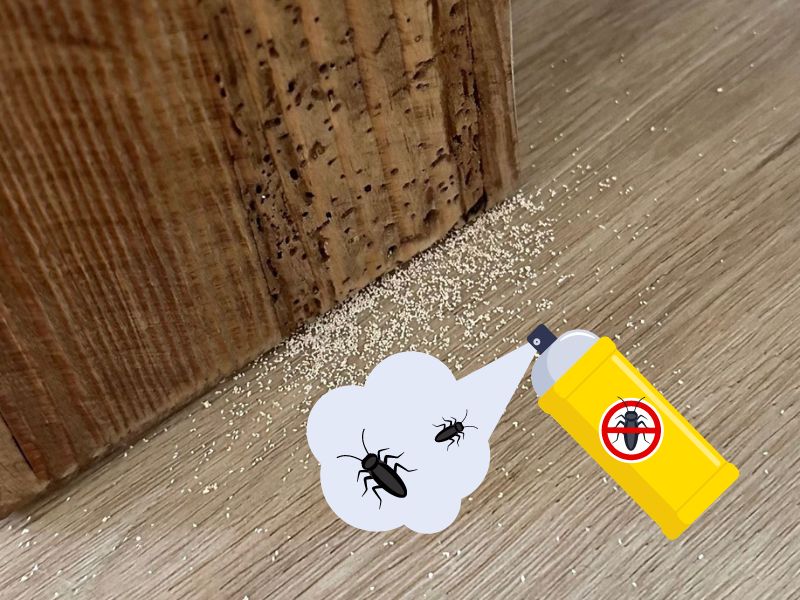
[(672, 209), (17, 479), (182, 186)]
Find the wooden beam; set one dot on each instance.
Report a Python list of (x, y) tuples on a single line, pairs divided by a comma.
[(185, 184)]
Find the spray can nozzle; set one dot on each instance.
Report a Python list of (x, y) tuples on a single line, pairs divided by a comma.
[(541, 338)]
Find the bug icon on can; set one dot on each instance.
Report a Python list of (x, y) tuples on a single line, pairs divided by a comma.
[(631, 429)]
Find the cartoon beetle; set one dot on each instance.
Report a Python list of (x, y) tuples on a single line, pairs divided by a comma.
[(379, 471), (453, 430)]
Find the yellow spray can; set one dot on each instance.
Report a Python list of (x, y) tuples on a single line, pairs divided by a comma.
[(628, 427)]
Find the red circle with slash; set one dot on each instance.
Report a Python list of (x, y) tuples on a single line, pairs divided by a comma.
[(609, 433)]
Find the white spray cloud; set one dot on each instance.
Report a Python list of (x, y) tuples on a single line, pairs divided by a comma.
[(400, 407)]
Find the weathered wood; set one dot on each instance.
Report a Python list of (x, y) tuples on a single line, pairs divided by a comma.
[(688, 261), (490, 27), (17, 480), (183, 184)]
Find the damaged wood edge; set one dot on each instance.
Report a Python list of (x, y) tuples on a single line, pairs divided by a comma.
[(496, 167), (463, 114), (490, 39), (18, 482), (507, 37)]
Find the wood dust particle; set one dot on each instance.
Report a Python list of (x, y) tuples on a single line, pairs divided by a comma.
[(449, 280)]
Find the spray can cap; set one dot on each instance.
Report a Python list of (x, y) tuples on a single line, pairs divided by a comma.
[(541, 338)]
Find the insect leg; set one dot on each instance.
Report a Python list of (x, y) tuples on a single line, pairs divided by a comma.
[(366, 479), (358, 475), (388, 456), (617, 424), (451, 443), (380, 500), (399, 466), (379, 452)]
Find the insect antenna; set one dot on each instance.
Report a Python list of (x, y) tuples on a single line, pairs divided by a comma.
[(625, 404), (363, 443), (639, 401), (348, 456), (464, 419)]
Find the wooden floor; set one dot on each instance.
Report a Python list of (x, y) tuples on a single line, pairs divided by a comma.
[(662, 141)]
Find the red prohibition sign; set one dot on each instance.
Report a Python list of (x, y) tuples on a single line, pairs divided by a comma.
[(607, 430)]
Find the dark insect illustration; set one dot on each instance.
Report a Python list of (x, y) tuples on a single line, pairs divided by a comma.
[(631, 420), (453, 430), (379, 471)]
